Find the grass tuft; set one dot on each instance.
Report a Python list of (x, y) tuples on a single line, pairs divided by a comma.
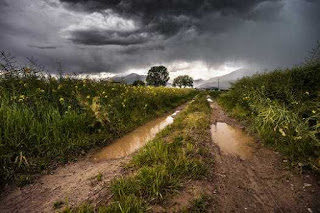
[(200, 204)]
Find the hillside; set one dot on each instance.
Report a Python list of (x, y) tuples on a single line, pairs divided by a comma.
[(225, 80), (128, 79)]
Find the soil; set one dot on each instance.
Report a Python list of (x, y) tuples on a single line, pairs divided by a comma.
[(73, 183), (261, 183)]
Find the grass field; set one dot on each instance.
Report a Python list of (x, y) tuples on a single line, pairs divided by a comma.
[(46, 120), (283, 108)]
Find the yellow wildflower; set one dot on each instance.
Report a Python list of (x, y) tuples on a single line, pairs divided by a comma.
[(282, 132)]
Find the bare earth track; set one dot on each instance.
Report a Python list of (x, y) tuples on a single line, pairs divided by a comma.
[(260, 183), (74, 182)]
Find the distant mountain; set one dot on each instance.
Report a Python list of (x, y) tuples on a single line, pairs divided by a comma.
[(197, 82), (128, 79), (226, 80)]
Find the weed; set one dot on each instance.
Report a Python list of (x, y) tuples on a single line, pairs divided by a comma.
[(58, 204), (200, 204), (99, 176), (126, 204)]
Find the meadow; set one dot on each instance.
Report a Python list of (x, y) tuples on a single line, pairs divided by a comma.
[(46, 120), (283, 108)]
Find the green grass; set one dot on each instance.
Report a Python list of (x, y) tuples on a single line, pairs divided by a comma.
[(200, 204), (99, 177), (45, 121), (283, 108)]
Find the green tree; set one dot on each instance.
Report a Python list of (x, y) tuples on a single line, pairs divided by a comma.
[(138, 83), (183, 80), (158, 76)]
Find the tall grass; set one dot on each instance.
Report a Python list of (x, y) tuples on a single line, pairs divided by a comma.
[(45, 120), (283, 107)]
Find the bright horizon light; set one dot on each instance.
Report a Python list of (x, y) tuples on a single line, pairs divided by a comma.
[(195, 69)]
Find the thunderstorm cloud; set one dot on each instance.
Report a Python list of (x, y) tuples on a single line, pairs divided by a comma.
[(93, 36)]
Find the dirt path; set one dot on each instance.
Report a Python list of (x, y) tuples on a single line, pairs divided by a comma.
[(260, 183), (75, 182)]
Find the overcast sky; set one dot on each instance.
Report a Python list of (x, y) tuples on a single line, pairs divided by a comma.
[(203, 38)]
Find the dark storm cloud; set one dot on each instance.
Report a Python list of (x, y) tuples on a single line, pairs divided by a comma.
[(134, 49), (152, 8), (4, 4), (160, 18), (107, 37), (43, 47), (115, 36)]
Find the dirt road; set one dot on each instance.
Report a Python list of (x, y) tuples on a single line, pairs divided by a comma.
[(259, 183), (74, 182)]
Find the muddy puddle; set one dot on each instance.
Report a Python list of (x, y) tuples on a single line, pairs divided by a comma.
[(232, 140), (134, 140)]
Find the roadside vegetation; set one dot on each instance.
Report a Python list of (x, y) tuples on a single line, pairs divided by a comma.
[(283, 108), (45, 120)]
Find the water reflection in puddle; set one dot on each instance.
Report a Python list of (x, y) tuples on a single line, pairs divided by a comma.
[(134, 140), (209, 100), (232, 140)]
